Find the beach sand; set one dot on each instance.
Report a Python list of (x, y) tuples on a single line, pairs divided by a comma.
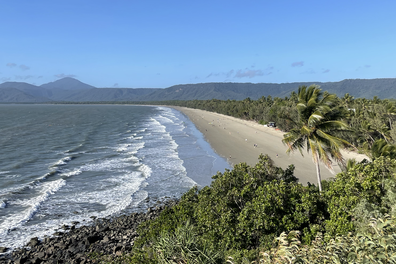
[(239, 140)]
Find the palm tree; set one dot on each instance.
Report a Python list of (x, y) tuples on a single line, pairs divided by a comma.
[(382, 148), (319, 121), (347, 100), (390, 111)]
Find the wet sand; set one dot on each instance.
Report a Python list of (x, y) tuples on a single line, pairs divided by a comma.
[(239, 140)]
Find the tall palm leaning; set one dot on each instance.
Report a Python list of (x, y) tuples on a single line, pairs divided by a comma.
[(315, 130)]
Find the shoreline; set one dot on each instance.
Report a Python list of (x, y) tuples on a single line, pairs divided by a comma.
[(112, 236), (239, 140)]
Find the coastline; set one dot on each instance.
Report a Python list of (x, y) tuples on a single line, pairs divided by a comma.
[(111, 236), (240, 140)]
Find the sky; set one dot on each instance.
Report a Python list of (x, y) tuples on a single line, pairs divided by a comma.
[(157, 44)]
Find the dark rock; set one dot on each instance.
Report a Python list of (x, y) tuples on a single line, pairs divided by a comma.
[(3, 249), (92, 239), (21, 260), (36, 260), (33, 242), (102, 229), (41, 255)]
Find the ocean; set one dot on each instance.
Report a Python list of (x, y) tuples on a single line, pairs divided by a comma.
[(61, 164)]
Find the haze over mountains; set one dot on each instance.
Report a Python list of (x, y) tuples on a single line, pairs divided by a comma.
[(72, 90)]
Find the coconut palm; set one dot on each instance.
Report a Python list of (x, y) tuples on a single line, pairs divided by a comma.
[(382, 148), (390, 111), (347, 100), (319, 121)]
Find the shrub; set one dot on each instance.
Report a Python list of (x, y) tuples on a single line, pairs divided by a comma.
[(242, 209), (356, 195), (375, 245)]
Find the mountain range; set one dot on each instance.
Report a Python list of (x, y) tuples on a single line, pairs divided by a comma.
[(72, 90)]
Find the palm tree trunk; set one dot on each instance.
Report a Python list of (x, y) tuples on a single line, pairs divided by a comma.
[(318, 173)]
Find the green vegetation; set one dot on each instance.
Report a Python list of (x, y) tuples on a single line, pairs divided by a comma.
[(366, 120), (319, 120), (261, 214), (376, 244), (262, 208)]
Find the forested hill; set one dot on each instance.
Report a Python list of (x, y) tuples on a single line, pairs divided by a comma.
[(72, 90)]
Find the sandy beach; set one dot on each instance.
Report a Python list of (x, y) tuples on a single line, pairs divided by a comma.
[(239, 140)]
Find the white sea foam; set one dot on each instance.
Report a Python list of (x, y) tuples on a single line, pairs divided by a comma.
[(132, 158), (139, 196), (142, 130), (105, 165), (136, 146), (114, 193), (122, 147), (3, 204), (71, 173), (129, 184), (158, 127), (4, 172), (46, 190), (146, 170), (62, 161), (164, 118)]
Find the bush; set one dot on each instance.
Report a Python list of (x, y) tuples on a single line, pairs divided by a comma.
[(359, 194), (243, 209), (375, 245)]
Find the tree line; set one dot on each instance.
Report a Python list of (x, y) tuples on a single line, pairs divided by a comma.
[(369, 120)]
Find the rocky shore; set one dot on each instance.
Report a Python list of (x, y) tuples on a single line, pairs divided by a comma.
[(114, 236)]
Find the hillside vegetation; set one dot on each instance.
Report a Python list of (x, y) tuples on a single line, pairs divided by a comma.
[(72, 90), (261, 214)]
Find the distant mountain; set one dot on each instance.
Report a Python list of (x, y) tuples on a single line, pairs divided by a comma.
[(14, 95), (110, 94), (67, 83), (72, 90), (18, 85), (222, 91), (363, 88), (27, 88)]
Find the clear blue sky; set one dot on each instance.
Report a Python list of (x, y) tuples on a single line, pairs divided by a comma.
[(158, 44)]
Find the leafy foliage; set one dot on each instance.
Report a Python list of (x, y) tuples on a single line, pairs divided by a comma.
[(183, 246), (364, 183), (376, 245), (244, 208), (319, 120)]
